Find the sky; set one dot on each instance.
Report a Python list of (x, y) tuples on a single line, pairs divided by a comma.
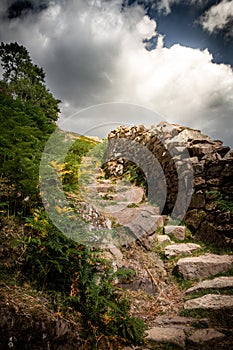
[(131, 62)]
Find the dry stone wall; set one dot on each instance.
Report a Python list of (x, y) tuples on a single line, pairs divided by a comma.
[(179, 164)]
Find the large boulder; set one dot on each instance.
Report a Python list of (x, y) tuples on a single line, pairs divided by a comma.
[(204, 265)]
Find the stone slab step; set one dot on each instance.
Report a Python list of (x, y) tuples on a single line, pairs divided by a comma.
[(204, 265), (167, 335), (137, 214), (216, 283), (181, 322), (211, 302), (203, 337), (181, 248)]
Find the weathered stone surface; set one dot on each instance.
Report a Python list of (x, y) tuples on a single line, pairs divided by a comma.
[(194, 218), (116, 252), (177, 231), (204, 266), (207, 232), (128, 215), (144, 224), (181, 248), (204, 336), (163, 239), (198, 200), (199, 181), (210, 302), (212, 165), (218, 282), (180, 322), (167, 335)]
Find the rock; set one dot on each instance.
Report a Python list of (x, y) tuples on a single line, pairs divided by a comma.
[(218, 282), (204, 265), (180, 248), (207, 232), (199, 180), (163, 239), (180, 322), (194, 218), (229, 155), (128, 215), (116, 252), (198, 168), (211, 302), (198, 200), (167, 335), (145, 224), (206, 336), (177, 231)]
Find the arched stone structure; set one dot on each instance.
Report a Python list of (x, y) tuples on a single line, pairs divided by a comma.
[(194, 166)]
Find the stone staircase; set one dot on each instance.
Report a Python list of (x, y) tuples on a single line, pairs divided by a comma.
[(161, 260)]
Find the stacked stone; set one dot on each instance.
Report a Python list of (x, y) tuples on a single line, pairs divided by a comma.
[(181, 151), (123, 148)]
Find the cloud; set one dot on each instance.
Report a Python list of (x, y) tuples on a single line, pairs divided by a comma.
[(93, 53), (219, 17), (164, 6)]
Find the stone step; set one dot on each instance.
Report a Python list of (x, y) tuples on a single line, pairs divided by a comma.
[(216, 283), (172, 336), (204, 265), (145, 210), (211, 302), (163, 239), (180, 248), (210, 338), (185, 333), (181, 322), (177, 232)]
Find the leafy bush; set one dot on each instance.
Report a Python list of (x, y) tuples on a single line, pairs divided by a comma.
[(24, 131), (59, 265), (223, 204), (135, 175)]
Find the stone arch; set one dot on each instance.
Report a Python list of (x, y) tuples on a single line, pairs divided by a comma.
[(172, 145)]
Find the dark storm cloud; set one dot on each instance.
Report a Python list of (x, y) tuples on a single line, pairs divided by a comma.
[(11, 9), (93, 52), (22, 8)]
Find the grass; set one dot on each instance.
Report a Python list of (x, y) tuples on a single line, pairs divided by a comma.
[(133, 205)]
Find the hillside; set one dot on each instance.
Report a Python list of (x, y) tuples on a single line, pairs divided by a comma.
[(107, 262)]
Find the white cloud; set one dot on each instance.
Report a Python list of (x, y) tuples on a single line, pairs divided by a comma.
[(93, 53), (218, 16)]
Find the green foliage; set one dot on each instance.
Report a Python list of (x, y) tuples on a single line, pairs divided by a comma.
[(223, 204), (135, 175), (79, 278), (72, 162), (24, 130), (59, 265), (26, 80)]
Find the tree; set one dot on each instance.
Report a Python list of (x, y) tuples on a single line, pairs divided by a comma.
[(26, 80), (24, 130)]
